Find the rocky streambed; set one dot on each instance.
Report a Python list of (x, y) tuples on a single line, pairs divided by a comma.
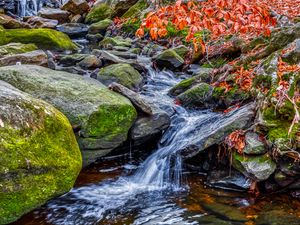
[(77, 90)]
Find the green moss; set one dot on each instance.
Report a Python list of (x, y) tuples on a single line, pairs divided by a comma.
[(16, 48), (42, 37), (115, 41), (99, 12), (173, 32), (122, 73), (131, 26), (100, 27), (136, 10), (215, 63), (181, 50), (40, 158), (182, 86)]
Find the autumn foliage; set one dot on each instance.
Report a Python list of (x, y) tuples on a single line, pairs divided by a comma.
[(219, 17)]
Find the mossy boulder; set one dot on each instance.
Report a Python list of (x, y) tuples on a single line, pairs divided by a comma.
[(101, 117), (256, 167), (100, 27), (99, 12), (197, 96), (42, 38), (169, 59), (108, 42), (121, 73), (70, 60), (136, 9), (40, 158), (181, 50), (254, 144), (16, 48)]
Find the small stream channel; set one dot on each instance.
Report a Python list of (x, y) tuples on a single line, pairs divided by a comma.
[(158, 189)]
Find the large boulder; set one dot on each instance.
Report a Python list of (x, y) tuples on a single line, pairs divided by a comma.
[(39, 22), (101, 117), (11, 23), (76, 6), (37, 57), (121, 73), (99, 12), (62, 16), (40, 158), (42, 37), (16, 48)]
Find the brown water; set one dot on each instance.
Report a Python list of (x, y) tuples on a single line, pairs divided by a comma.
[(196, 205)]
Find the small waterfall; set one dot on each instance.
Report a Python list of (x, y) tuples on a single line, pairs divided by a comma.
[(28, 7)]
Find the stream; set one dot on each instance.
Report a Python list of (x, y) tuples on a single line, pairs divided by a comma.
[(158, 189)]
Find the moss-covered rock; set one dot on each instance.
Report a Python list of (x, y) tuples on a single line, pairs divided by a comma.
[(42, 37), (256, 167), (292, 53), (100, 27), (115, 41), (136, 9), (102, 117), (197, 96), (99, 12), (121, 73), (40, 157), (254, 145), (169, 59), (181, 50), (16, 48)]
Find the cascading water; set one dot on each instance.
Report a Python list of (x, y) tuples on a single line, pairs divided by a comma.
[(160, 173)]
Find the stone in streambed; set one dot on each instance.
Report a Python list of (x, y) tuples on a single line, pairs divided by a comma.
[(136, 10), (43, 38), (99, 12), (121, 73), (16, 48), (100, 27), (70, 60), (39, 22), (11, 23), (169, 59), (40, 158), (254, 145), (76, 6), (62, 16), (181, 50), (102, 116), (256, 167), (73, 30), (37, 57), (109, 42), (90, 62), (277, 217)]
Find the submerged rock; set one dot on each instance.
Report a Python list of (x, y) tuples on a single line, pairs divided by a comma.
[(43, 38), (256, 167), (102, 117), (121, 73), (37, 57), (169, 59), (40, 158)]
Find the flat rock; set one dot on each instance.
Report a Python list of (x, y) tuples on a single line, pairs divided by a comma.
[(37, 57), (73, 30), (62, 16)]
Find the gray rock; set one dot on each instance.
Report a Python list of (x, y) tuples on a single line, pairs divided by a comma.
[(37, 57), (254, 146), (102, 117), (16, 48), (292, 56), (71, 60), (169, 59), (100, 27), (61, 16), (90, 62), (74, 30)]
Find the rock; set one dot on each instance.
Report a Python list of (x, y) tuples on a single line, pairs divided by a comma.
[(212, 220), (169, 59), (16, 48), (71, 60), (149, 127), (136, 10), (226, 211), (94, 38), (39, 22), (283, 179), (292, 54), (254, 145), (72, 69), (121, 73), (37, 57), (121, 7), (228, 180), (109, 42), (40, 158), (137, 100), (124, 49), (11, 23), (277, 217), (124, 55), (77, 19), (76, 6), (239, 119), (73, 30), (98, 13), (181, 50), (256, 167), (197, 96), (90, 62), (100, 27), (202, 76), (61, 16), (43, 38), (102, 117)]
